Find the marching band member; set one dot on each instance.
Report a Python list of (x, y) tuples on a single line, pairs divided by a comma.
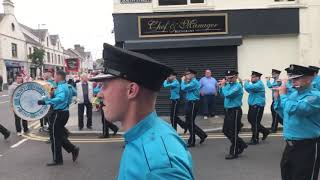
[(174, 85), (60, 102), (301, 126), (256, 101), (276, 119), (191, 86), (18, 120), (153, 149), (232, 92)]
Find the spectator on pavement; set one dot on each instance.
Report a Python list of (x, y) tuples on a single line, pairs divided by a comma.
[(1, 82), (84, 98), (208, 92)]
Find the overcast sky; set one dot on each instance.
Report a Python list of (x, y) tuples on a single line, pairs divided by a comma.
[(84, 22)]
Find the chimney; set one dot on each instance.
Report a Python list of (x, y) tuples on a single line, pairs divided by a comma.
[(8, 7), (79, 48)]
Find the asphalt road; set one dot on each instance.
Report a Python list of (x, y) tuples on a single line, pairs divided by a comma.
[(100, 160)]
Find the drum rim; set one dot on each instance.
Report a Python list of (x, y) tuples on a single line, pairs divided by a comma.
[(18, 114)]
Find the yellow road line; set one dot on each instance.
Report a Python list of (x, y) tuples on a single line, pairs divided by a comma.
[(112, 140)]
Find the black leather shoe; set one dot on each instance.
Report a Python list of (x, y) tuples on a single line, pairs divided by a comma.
[(7, 135), (190, 145), (75, 154), (203, 139), (89, 127), (48, 141), (55, 164), (115, 132), (265, 135), (242, 148), (231, 156)]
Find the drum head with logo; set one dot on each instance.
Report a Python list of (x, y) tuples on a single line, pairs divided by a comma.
[(25, 101)]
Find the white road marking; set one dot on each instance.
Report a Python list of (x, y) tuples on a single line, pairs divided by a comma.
[(19, 143), (1, 155), (4, 102), (4, 95)]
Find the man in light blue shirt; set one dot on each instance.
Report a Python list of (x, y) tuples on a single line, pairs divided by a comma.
[(191, 86), (208, 92), (256, 101), (232, 92), (60, 103), (153, 149), (301, 125), (174, 85), (276, 119)]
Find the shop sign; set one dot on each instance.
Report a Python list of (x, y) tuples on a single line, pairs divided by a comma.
[(72, 65), (134, 1), (183, 25)]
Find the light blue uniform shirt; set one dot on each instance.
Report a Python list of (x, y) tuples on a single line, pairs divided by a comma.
[(174, 88), (316, 83), (61, 98), (257, 94), (301, 114), (154, 151), (208, 86), (192, 89), (290, 88), (233, 94), (274, 84)]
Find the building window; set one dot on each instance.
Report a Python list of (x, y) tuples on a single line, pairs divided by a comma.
[(14, 50), (47, 41), (48, 57), (172, 2), (179, 2), (52, 58), (30, 50), (13, 27), (59, 59)]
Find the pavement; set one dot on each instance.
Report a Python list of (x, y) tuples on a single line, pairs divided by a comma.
[(210, 125)]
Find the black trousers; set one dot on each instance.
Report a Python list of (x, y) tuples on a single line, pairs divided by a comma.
[(276, 119), (254, 117), (300, 160), (3, 130), (192, 108), (209, 105), (58, 135), (81, 113), (231, 128), (106, 125), (18, 122), (174, 118)]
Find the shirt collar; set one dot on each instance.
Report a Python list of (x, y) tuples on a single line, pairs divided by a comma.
[(140, 128), (61, 82)]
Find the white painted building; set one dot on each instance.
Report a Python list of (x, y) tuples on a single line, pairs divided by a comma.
[(258, 34), (18, 41)]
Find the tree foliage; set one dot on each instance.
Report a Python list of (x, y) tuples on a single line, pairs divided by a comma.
[(37, 57)]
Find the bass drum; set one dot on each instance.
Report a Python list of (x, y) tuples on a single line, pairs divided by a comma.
[(25, 100)]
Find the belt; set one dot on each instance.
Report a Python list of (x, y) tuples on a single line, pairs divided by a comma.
[(304, 141), (235, 108)]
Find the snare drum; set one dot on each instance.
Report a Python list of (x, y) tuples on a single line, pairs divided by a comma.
[(25, 100)]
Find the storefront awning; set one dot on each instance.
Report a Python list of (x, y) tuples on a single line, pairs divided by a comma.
[(183, 42)]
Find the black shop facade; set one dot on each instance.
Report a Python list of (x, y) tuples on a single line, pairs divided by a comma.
[(199, 40)]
